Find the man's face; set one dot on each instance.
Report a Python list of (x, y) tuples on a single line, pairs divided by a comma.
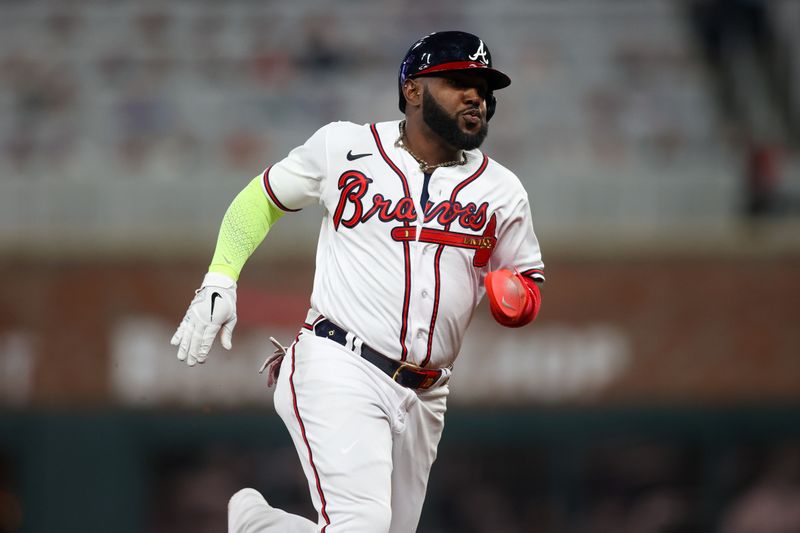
[(454, 107)]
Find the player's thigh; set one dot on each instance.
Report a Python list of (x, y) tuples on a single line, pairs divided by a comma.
[(413, 454), (340, 428)]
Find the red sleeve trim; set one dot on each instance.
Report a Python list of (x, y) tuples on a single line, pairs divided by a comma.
[(271, 193), (535, 273)]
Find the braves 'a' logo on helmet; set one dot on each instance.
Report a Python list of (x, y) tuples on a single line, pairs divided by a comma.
[(480, 52)]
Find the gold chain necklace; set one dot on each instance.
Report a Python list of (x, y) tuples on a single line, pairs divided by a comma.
[(424, 166)]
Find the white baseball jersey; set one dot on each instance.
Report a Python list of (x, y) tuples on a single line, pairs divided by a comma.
[(404, 277)]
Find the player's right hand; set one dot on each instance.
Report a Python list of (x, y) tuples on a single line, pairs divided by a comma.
[(213, 308)]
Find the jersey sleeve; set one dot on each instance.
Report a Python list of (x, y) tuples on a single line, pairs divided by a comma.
[(517, 245), (297, 180)]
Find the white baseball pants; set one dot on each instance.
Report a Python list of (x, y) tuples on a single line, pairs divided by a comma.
[(366, 444)]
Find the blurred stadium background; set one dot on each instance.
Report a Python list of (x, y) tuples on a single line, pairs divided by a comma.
[(657, 393)]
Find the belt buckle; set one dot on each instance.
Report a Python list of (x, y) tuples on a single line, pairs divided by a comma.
[(399, 368)]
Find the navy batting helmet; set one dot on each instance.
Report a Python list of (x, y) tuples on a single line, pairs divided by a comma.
[(445, 51)]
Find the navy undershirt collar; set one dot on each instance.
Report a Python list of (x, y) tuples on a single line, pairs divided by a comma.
[(425, 195)]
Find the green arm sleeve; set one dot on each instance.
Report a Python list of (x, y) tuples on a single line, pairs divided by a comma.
[(244, 226)]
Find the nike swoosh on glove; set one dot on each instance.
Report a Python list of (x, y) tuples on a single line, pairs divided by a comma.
[(514, 299), (213, 308)]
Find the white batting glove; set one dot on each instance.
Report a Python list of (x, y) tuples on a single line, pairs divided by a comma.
[(213, 307)]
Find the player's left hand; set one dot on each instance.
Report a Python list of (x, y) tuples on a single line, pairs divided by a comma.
[(213, 308), (513, 299)]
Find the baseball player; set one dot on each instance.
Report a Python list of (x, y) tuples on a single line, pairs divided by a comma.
[(417, 224)]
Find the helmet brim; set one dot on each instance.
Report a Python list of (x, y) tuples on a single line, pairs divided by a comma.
[(495, 78)]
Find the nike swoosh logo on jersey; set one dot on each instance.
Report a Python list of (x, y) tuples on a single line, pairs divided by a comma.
[(214, 296), (345, 451), (352, 157)]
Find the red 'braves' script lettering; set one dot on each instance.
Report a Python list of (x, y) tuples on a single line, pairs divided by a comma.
[(354, 186), (469, 216)]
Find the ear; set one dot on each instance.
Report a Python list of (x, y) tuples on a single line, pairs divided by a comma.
[(412, 90)]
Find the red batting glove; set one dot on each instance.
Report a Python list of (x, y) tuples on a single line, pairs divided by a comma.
[(513, 298)]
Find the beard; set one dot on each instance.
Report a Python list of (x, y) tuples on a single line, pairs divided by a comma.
[(447, 127)]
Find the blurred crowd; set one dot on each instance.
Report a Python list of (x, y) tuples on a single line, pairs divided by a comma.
[(610, 115), (94, 89)]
